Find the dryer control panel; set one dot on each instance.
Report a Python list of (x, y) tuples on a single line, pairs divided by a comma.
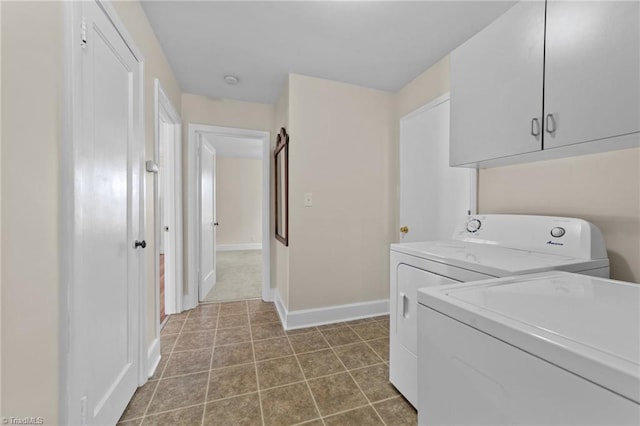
[(571, 237)]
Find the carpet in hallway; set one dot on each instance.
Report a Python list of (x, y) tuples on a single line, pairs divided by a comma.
[(239, 276)]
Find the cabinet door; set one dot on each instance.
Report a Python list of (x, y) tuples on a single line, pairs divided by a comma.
[(592, 70), (496, 88), (410, 279)]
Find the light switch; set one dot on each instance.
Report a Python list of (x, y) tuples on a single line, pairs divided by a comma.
[(308, 199)]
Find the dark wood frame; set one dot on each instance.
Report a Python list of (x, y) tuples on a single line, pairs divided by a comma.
[(281, 153)]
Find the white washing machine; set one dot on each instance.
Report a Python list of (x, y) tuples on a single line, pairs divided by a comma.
[(482, 247), (546, 349)]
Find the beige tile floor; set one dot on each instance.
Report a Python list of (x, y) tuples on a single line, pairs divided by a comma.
[(233, 364)]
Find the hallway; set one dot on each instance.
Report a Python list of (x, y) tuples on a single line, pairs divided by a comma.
[(232, 363)]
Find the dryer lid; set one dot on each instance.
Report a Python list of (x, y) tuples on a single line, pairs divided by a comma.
[(587, 325), (495, 260)]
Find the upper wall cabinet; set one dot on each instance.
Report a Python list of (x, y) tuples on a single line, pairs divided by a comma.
[(592, 71), (522, 92)]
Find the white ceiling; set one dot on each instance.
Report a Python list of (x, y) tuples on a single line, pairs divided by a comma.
[(379, 44)]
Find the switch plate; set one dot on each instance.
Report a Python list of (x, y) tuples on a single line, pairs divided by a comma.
[(308, 199)]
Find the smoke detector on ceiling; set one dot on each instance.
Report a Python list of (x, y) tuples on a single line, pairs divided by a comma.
[(231, 80)]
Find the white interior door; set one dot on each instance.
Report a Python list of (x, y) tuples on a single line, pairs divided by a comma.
[(434, 197), (107, 167), (207, 218)]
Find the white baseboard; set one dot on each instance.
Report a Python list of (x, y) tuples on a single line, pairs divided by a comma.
[(153, 356), (232, 247), (270, 295), (330, 314), (280, 307)]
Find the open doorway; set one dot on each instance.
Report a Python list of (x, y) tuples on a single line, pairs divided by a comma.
[(236, 250), (237, 219), (168, 207)]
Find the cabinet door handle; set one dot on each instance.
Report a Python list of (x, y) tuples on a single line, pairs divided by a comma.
[(403, 308), (535, 127), (551, 123)]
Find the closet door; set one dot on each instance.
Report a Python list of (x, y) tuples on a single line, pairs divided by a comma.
[(434, 197), (496, 88), (592, 72), (104, 353)]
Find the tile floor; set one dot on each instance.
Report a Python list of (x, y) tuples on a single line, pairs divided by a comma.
[(233, 364)]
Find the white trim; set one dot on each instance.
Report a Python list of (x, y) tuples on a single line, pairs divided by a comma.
[(431, 104), (163, 108), (121, 28), (142, 294), (232, 247), (473, 192), (72, 101), (280, 306), (153, 356), (190, 299), (303, 318), (271, 295), (239, 148)]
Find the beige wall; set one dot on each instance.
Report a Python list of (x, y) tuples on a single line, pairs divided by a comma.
[(32, 79), (1, 214), (239, 200), (155, 66), (601, 188), (279, 252), (426, 87), (226, 113), (32, 64), (339, 150)]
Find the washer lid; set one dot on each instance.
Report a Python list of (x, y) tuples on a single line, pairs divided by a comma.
[(495, 260), (587, 325)]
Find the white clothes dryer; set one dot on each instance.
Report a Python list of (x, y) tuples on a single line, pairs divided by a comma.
[(544, 349), (482, 247)]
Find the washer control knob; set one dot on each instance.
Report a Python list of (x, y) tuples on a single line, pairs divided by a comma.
[(473, 225), (557, 232)]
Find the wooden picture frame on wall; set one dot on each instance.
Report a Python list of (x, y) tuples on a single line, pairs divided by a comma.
[(281, 182)]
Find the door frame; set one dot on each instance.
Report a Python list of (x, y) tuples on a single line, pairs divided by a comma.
[(72, 91), (165, 111), (473, 186), (195, 131)]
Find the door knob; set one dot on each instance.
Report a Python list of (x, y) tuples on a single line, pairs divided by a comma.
[(404, 229), (166, 229), (142, 244), (215, 223)]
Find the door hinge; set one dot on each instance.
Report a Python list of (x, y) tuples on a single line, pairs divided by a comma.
[(83, 33)]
